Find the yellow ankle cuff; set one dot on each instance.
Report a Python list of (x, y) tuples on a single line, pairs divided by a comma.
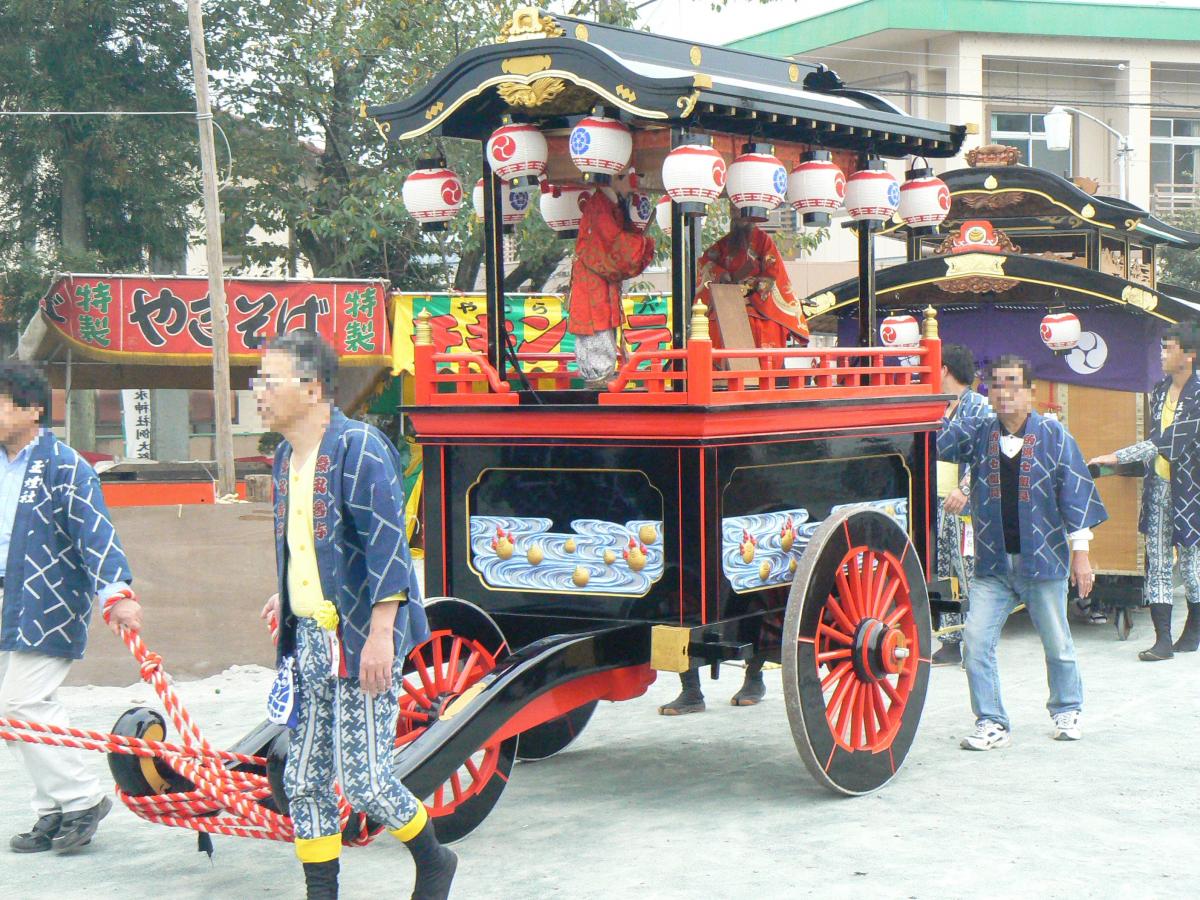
[(410, 830), (319, 850)]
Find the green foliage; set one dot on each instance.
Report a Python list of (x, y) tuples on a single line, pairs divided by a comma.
[(1181, 266)]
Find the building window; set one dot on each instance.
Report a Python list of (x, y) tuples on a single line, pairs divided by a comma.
[(1027, 132), (1174, 154)]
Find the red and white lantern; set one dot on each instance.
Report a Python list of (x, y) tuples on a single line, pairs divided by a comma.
[(641, 210), (757, 182), (900, 331), (1060, 332), (562, 208), (515, 204), (477, 200), (517, 153), (694, 176), (872, 194), (924, 199), (601, 147), (662, 214), (433, 195), (816, 187)]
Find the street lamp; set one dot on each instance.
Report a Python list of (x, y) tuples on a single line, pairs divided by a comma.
[(1058, 137)]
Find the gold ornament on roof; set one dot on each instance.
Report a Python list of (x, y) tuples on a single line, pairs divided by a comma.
[(527, 24), (539, 92), (525, 65)]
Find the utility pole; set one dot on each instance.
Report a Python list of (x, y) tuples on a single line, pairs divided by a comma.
[(226, 481)]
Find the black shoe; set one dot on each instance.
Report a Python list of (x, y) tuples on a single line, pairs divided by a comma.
[(1160, 615), (948, 655), (78, 827), (37, 839), (435, 864), (321, 880), (690, 699), (1189, 641), (753, 689)]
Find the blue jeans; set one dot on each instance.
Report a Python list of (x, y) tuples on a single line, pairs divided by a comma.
[(992, 599)]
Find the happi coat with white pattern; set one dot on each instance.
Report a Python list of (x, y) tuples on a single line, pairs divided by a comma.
[(359, 536), (64, 551), (1056, 494)]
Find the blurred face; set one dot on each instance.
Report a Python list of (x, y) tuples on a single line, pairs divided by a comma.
[(16, 422), (1174, 360), (1008, 393), (283, 396)]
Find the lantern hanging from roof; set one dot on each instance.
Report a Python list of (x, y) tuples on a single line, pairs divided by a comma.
[(757, 182), (694, 176), (562, 208), (477, 200), (816, 187), (900, 331), (641, 210), (924, 199), (517, 153), (432, 194), (1060, 332), (662, 214), (872, 194), (514, 203), (600, 147)]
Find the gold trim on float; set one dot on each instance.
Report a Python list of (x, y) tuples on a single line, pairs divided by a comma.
[(687, 103), (527, 24), (525, 65), (793, 73), (626, 93), (1087, 213), (695, 55), (581, 32), (1139, 297), (532, 95), (435, 110), (669, 648), (991, 183), (974, 264), (702, 81)]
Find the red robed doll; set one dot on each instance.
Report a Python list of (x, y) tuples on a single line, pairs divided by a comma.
[(607, 252), (747, 255)]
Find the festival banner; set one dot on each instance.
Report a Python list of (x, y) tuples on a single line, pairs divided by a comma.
[(537, 322), (136, 422), (169, 320)]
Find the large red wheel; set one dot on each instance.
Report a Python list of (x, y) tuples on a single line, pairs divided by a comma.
[(464, 647), (856, 651)]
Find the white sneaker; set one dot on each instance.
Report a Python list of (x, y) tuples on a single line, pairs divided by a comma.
[(1066, 726), (988, 735)]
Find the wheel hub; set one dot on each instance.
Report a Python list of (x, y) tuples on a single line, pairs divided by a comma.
[(879, 650)]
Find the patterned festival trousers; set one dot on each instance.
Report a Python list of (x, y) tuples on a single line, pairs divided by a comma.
[(342, 735), (1159, 584), (951, 562)]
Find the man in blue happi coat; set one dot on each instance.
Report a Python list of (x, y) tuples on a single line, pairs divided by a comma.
[(349, 610), (1170, 515), (1033, 505), (58, 550)]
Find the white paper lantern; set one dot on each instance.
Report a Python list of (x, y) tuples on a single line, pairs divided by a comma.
[(900, 331), (924, 199), (816, 187), (1060, 331), (432, 196), (694, 176), (562, 208), (641, 210), (662, 214), (515, 204), (601, 147), (477, 200), (872, 194), (757, 183), (517, 153)]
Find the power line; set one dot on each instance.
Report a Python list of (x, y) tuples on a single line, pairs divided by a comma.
[(1027, 100), (95, 112)]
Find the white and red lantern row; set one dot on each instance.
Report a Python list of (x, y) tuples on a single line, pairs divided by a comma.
[(757, 183), (900, 331), (517, 153), (432, 196), (872, 194), (816, 187), (601, 147), (1060, 331), (924, 199), (562, 208), (694, 176)]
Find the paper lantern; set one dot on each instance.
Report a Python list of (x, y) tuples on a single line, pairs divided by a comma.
[(924, 199), (515, 203), (433, 195), (517, 153), (601, 148), (1060, 332), (757, 182), (694, 176), (662, 214), (816, 187), (900, 331), (872, 194), (477, 200), (641, 210), (562, 208)]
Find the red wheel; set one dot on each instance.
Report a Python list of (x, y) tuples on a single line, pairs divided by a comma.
[(464, 647), (856, 651)]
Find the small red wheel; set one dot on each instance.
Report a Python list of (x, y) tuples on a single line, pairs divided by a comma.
[(465, 645), (856, 651)]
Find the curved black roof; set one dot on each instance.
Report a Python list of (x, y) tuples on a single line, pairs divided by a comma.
[(551, 67)]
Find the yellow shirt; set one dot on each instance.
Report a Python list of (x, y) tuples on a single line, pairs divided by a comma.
[(304, 579), (1162, 468)]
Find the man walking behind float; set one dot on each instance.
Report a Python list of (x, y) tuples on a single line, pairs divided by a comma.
[(1033, 505), (58, 550), (1170, 516), (349, 609)]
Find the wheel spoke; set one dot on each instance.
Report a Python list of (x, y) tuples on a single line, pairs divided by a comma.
[(472, 768), (836, 674), (846, 595), (896, 615), (438, 796), (837, 701), (845, 714), (456, 787), (460, 684), (892, 693), (867, 597), (880, 708), (832, 655), (409, 737), (439, 675), (456, 646), (868, 715), (415, 693), (413, 715), (886, 597), (426, 683), (833, 634), (838, 613)]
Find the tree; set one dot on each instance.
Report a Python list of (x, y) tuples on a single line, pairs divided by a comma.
[(1178, 266)]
